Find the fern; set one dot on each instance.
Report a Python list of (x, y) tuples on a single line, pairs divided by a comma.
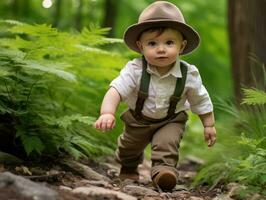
[(32, 143), (67, 121), (254, 97), (250, 167), (51, 87)]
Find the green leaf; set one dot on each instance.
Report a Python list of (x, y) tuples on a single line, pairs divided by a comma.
[(34, 30), (254, 97), (60, 73), (68, 120), (32, 143)]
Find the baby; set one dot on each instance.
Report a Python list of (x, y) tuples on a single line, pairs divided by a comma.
[(158, 88)]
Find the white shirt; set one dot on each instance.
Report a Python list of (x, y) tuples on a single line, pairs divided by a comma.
[(194, 97)]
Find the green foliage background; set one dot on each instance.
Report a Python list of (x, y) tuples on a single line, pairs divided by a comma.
[(51, 87), (52, 81)]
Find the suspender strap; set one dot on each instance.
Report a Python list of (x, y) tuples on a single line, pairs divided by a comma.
[(144, 87), (179, 88), (143, 90)]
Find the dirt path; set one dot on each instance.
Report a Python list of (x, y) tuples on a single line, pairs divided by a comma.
[(88, 180)]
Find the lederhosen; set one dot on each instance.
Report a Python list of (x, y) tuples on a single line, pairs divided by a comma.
[(163, 134)]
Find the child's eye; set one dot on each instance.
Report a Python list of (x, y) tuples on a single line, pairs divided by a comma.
[(170, 42), (151, 43)]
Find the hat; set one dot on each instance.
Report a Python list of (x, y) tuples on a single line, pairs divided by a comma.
[(161, 14)]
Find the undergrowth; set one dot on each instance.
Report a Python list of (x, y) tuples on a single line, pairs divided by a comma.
[(51, 86), (248, 167)]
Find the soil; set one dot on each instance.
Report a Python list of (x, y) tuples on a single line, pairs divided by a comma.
[(58, 176)]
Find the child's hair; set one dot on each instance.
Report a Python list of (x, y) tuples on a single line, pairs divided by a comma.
[(159, 31)]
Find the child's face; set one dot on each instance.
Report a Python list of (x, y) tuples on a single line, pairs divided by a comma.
[(161, 51)]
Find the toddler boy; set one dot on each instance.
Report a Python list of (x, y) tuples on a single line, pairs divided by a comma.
[(158, 88)]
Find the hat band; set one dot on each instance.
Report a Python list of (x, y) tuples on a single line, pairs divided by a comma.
[(156, 18)]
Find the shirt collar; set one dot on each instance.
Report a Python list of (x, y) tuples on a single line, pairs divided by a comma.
[(174, 71)]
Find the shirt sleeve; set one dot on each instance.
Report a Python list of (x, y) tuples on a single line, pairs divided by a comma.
[(125, 83), (197, 95)]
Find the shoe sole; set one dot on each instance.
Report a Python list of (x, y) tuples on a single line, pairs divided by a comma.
[(166, 180)]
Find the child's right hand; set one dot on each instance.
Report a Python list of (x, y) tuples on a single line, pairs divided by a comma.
[(105, 122)]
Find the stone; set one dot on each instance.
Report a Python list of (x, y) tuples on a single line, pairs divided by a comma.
[(94, 183), (139, 191), (233, 188), (222, 197), (26, 187), (195, 198), (103, 193), (180, 195), (62, 187)]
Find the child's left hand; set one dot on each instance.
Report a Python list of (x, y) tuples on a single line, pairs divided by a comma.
[(210, 135)]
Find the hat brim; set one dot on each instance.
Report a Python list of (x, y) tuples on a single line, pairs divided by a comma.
[(131, 35)]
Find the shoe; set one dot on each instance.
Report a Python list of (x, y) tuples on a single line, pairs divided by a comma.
[(165, 180), (129, 173)]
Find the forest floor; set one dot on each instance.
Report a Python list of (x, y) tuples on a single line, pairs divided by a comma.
[(87, 179)]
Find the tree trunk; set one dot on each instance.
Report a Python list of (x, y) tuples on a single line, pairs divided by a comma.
[(110, 15), (78, 23), (20, 9), (247, 28), (16, 9), (57, 14), (26, 8)]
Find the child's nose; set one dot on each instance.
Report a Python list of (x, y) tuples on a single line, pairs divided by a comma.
[(161, 48)]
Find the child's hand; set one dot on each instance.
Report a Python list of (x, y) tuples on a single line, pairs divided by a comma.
[(105, 122), (210, 135)]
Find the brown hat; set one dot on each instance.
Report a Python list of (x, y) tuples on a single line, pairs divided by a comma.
[(161, 14)]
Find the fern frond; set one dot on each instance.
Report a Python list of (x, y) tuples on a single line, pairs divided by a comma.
[(254, 97), (3, 72), (95, 36), (68, 120), (32, 59), (34, 30), (32, 143), (60, 73), (113, 40), (10, 53), (11, 22)]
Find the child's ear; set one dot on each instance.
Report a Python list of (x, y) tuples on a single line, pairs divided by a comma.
[(140, 46), (183, 46)]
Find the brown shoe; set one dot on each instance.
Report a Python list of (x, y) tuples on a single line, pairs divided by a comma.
[(165, 180), (129, 173)]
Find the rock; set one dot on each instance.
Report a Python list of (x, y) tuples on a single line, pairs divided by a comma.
[(112, 173), (180, 195), (145, 170), (195, 198), (26, 187), (222, 197), (93, 183), (233, 188), (257, 197), (139, 191), (65, 188), (103, 193), (2, 168), (187, 174), (84, 170), (6, 158), (152, 198)]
